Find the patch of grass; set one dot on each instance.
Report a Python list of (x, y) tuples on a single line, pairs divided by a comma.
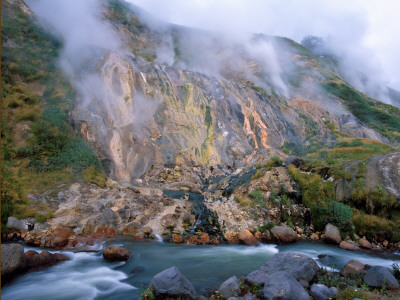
[(268, 226), (95, 175), (274, 161), (370, 225), (383, 118)]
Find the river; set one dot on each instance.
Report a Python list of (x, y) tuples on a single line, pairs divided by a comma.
[(88, 276)]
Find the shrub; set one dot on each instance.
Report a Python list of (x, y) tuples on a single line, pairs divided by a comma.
[(256, 195), (274, 161), (332, 212)]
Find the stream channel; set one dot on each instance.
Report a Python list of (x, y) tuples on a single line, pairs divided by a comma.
[(87, 276)]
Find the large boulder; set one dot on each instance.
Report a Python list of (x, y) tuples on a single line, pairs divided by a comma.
[(321, 292), (381, 276), (283, 286), (300, 266), (256, 277), (14, 223), (12, 260), (365, 244), (348, 246), (170, 283), (116, 253), (247, 238), (230, 288), (352, 268), (61, 237), (332, 234), (284, 234)]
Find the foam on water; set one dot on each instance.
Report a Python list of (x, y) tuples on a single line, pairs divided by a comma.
[(85, 276)]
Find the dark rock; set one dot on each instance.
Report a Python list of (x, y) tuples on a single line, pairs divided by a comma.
[(256, 277), (300, 266), (171, 283), (12, 259), (283, 286), (293, 160), (284, 234), (116, 253), (379, 276), (321, 292), (332, 234), (230, 287)]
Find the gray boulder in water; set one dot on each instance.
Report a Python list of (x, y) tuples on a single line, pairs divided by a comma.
[(283, 286), (171, 283), (300, 266)]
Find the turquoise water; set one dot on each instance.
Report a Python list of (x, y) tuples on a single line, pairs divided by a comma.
[(88, 276)]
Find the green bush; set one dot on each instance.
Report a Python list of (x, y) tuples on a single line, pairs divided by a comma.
[(332, 212), (95, 175)]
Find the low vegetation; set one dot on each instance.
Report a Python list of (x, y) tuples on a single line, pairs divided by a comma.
[(39, 149)]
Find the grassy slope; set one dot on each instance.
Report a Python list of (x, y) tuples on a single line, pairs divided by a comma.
[(39, 150)]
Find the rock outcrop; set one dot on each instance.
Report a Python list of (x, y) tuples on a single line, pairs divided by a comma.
[(12, 260)]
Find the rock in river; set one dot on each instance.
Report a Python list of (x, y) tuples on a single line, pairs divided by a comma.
[(300, 266), (116, 253), (170, 283), (332, 234), (284, 234)]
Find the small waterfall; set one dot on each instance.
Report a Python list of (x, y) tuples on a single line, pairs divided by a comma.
[(156, 221)]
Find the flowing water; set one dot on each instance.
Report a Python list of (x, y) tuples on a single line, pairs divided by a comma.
[(88, 276)]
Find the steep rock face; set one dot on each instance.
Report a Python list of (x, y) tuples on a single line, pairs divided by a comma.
[(385, 171), (146, 115)]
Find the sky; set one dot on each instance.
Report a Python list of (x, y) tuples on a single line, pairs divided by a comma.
[(365, 33)]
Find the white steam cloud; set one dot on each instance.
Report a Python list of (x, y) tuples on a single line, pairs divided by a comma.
[(364, 34)]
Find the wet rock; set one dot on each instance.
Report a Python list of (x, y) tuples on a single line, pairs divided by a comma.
[(321, 292), (256, 277), (108, 217), (171, 283), (283, 286), (14, 223), (332, 234), (379, 276), (351, 268), (168, 221), (61, 236), (284, 234), (300, 266), (147, 230), (131, 228), (230, 287), (348, 246), (12, 260), (116, 253), (247, 238), (365, 244)]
